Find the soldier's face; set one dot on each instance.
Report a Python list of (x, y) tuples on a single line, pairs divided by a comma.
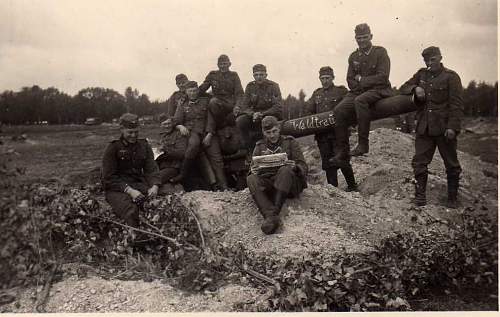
[(364, 41), (260, 76), (168, 125), (130, 135), (326, 80), (224, 66), (433, 62), (192, 93), (181, 84), (272, 135)]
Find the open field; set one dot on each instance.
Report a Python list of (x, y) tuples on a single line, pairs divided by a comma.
[(358, 221)]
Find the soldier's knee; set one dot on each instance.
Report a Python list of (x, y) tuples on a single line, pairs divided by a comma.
[(285, 171), (252, 182), (243, 121), (213, 104)]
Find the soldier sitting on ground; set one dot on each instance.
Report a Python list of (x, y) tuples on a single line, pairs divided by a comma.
[(270, 190), (262, 98), (234, 154), (326, 99), (193, 119), (173, 146), (129, 171)]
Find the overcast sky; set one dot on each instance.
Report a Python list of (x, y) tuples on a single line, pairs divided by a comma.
[(72, 45)]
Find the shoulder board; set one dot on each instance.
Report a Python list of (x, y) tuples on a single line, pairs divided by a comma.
[(378, 47), (317, 90), (423, 69), (288, 137), (261, 141), (449, 71), (114, 141), (341, 87)]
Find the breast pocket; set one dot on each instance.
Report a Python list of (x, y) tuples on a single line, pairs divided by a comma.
[(439, 93)]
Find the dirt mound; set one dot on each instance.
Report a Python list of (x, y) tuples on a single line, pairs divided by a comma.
[(324, 221), (482, 126)]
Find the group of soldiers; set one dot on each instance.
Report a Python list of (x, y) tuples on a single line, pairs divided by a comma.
[(215, 136)]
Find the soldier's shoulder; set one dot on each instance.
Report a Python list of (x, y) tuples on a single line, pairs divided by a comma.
[(233, 73), (272, 83), (253, 83), (288, 137), (261, 141), (341, 87), (212, 73), (317, 91), (143, 141), (379, 48), (451, 72)]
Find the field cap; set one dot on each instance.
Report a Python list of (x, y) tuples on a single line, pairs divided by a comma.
[(223, 58), (362, 29), (259, 68), (269, 122), (326, 70), (431, 51), (180, 78), (191, 84), (129, 121)]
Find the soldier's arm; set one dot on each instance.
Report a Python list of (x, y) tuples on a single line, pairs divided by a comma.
[(351, 74), (238, 88), (178, 116), (298, 158), (277, 107), (382, 72), (206, 83), (455, 103), (410, 84), (151, 171), (171, 106), (110, 177), (309, 107), (245, 101)]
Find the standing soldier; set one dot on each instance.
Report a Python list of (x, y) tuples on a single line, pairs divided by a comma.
[(193, 118), (439, 92), (129, 171), (262, 98), (288, 182), (178, 96), (226, 90), (368, 80), (322, 100)]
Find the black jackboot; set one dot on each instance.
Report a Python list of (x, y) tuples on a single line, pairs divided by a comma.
[(420, 188), (331, 176), (184, 170), (350, 180), (341, 158)]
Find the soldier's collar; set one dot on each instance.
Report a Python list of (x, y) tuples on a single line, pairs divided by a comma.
[(439, 71), (361, 52), (192, 102)]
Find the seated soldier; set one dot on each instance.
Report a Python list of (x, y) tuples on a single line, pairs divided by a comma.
[(262, 97), (287, 182), (226, 90), (193, 119), (234, 154), (173, 146), (129, 171)]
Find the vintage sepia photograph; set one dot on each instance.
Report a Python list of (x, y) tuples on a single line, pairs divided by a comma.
[(168, 156)]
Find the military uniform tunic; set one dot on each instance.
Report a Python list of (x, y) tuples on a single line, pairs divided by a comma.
[(225, 85), (177, 98), (441, 110), (128, 164), (174, 146), (323, 100), (286, 180), (264, 97)]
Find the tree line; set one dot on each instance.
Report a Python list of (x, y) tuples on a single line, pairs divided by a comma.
[(32, 105)]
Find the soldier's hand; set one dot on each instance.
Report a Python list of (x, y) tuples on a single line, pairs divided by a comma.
[(450, 134), (134, 194), (236, 110), (153, 191), (257, 116), (184, 131), (207, 140), (357, 77), (419, 93)]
